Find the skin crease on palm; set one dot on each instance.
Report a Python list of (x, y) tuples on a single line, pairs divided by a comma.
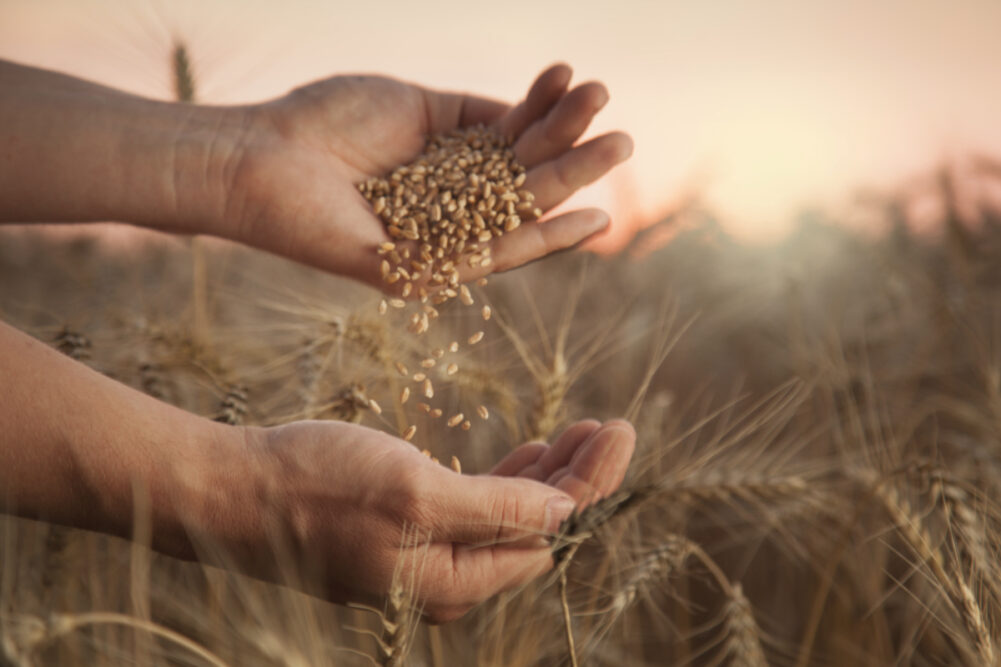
[(281, 176)]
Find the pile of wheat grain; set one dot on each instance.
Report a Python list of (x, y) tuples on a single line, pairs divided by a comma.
[(442, 210)]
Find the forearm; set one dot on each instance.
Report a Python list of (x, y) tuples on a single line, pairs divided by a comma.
[(75, 151), (76, 447)]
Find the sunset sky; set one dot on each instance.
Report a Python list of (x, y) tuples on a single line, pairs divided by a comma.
[(768, 106)]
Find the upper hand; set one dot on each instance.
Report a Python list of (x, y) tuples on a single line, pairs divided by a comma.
[(294, 190)]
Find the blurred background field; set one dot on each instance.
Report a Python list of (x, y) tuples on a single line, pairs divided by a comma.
[(819, 410)]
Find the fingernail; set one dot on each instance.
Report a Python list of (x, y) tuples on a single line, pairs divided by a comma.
[(558, 508)]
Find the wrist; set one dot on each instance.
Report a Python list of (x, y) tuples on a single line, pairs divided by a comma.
[(204, 491)]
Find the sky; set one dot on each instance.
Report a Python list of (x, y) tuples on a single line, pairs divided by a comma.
[(765, 107)]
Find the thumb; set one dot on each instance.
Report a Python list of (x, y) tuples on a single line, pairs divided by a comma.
[(488, 510)]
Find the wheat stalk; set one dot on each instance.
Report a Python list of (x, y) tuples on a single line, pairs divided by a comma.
[(956, 590)]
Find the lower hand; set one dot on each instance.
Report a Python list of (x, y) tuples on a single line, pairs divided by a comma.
[(344, 494)]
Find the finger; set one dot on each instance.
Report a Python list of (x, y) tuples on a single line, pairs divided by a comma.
[(599, 465), (562, 450), (546, 91), (487, 510), (555, 134), (514, 463), (537, 239), (553, 181)]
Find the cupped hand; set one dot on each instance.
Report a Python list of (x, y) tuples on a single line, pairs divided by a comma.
[(294, 185), (345, 493)]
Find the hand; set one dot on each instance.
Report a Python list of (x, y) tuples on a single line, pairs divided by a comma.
[(294, 189), (345, 493)]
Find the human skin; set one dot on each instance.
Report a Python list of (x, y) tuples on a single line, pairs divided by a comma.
[(80, 449)]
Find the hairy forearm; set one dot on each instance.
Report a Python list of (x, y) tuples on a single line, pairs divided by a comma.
[(78, 448), (75, 151)]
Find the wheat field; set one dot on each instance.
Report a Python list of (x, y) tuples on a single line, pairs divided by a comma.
[(815, 481)]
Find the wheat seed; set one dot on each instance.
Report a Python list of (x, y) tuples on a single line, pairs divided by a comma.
[(456, 466), (486, 312), (476, 338), (404, 395), (428, 388), (408, 435), (374, 407), (452, 369), (483, 412), (455, 420)]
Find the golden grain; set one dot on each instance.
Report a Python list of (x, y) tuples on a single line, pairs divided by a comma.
[(476, 338), (404, 395), (482, 411), (465, 296), (455, 420), (456, 465), (408, 435)]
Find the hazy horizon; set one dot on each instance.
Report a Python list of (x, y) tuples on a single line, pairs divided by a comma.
[(770, 109)]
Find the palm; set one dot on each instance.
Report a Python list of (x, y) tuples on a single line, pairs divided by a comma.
[(347, 129)]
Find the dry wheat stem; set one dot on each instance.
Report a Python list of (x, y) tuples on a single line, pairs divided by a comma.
[(956, 590), (62, 624)]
